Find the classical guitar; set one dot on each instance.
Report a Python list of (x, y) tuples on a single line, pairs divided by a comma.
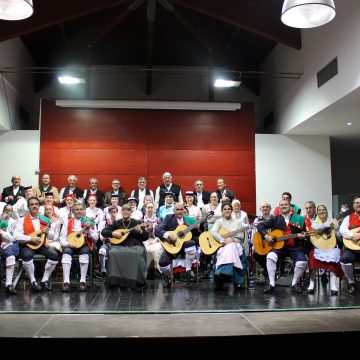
[(41, 234), (325, 238), (209, 245), (352, 244), (124, 234), (183, 234), (262, 247)]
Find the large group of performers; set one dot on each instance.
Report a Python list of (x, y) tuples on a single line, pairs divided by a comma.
[(145, 234)]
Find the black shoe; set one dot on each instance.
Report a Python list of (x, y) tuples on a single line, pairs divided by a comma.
[(82, 286), (296, 289), (190, 275), (333, 293), (324, 278), (65, 287), (352, 288), (269, 289), (311, 291), (36, 286), (219, 281), (10, 290), (46, 285)]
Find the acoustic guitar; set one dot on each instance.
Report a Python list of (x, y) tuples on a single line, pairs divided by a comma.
[(209, 245), (183, 234), (262, 247), (124, 233), (325, 238), (352, 244), (41, 234)]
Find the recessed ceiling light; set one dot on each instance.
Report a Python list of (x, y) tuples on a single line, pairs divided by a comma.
[(226, 83), (349, 123), (70, 80)]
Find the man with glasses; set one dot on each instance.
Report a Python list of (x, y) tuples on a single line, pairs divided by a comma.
[(165, 231), (265, 209), (201, 196), (116, 190), (127, 264), (140, 192), (12, 194)]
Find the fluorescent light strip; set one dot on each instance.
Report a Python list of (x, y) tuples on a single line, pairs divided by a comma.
[(155, 105)]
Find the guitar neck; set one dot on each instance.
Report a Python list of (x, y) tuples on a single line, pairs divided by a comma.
[(287, 237), (192, 226)]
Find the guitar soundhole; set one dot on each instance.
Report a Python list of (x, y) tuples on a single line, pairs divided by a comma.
[(78, 235), (180, 234)]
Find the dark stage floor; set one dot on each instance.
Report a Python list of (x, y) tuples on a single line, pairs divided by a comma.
[(184, 297)]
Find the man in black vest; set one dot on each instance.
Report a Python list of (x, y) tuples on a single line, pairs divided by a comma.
[(116, 190), (140, 193), (12, 194), (93, 190), (201, 196), (71, 189), (167, 186), (225, 195)]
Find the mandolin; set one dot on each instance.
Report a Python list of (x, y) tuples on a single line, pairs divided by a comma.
[(124, 233), (41, 234)]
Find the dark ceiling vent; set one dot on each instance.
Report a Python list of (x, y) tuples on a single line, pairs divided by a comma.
[(327, 72)]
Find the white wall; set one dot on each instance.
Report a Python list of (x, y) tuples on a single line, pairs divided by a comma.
[(20, 156), (295, 101), (297, 164)]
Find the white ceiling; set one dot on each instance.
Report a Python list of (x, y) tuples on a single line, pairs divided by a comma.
[(333, 120)]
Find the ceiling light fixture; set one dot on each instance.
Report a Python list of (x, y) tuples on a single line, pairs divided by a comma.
[(226, 83), (152, 105), (70, 80), (307, 13), (16, 9)]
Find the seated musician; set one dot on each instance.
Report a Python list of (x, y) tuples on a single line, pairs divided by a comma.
[(328, 259), (127, 265), (28, 231), (9, 248), (164, 231), (290, 224), (265, 209), (83, 228), (231, 262), (351, 243)]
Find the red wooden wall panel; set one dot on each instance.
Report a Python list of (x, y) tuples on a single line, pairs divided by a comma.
[(124, 144)]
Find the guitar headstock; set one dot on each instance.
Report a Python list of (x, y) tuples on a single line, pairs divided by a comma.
[(209, 215), (344, 208)]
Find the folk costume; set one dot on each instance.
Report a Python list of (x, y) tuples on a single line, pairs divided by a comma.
[(127, 262)]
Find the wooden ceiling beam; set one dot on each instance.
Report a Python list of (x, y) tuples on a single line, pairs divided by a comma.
[(61, 11), (257, 16)]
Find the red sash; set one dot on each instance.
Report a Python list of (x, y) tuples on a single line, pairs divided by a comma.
[(28, 225)]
